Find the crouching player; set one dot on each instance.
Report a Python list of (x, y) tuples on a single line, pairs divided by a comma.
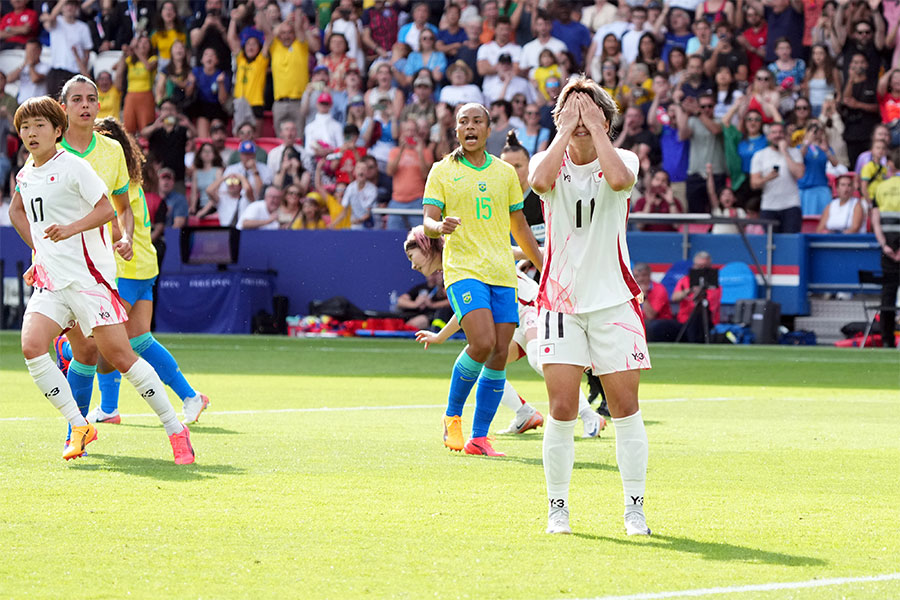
[(59, 209), (589, 312)]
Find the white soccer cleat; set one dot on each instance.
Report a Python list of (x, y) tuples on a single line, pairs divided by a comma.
[(193, 407), (558, 521), (98, 416), (593, 424), (526, 419), (636, 523)]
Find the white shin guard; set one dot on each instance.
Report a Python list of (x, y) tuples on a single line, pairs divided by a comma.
[(148, 384), (559, 457)]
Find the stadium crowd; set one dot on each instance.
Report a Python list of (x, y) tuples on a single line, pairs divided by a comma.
[(307, 114)]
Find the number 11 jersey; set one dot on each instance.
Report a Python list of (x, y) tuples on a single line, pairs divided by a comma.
[(62, 191), (586, 260)]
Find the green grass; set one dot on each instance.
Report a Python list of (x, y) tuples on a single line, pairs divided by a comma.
[(766, 465)]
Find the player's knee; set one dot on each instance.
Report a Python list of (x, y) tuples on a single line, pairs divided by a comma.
[(121, 359), (32, 348), (86, 354)]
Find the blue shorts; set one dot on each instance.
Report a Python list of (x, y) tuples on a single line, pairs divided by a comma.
[(132, 290), (468, 294)]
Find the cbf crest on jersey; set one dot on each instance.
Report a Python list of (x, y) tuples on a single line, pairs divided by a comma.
[(482, 186)]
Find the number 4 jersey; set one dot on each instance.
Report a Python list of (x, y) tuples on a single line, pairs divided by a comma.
[(586, 261), (62, 191)]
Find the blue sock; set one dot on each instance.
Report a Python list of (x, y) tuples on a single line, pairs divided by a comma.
[(81, 381), (109, 391), (163, 363), (487, 399), (465, 374), (66, 350)]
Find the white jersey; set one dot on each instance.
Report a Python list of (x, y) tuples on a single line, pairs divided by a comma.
[(586, 261), (62, 191)]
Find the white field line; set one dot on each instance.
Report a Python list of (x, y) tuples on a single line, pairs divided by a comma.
[(762, 587), (323, 409)]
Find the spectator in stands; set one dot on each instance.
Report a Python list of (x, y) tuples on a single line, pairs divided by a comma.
[(825, 30), (789, 71), (886, 225), (634, 132), (70, 44), (171, 81), (167, 137), (860, 106), (384, 91), (7, 101), (598, 14), (631, 39), (338, 61), (775, 170), (815, 190), (610, 53), (110, 97), (489, 54), (637, 90), (533, 137), (358, 200), (531, 52), (31, 74), (785, 20), (654, 297), (369, 130), (290, 45), (875, 171), (658, 199), (461, 89), (324, 134), (318, 85), (610, 81), (468, 52), (714, 12), (451, 36), (677, 30), (490, 12), (290, 208), (862, 40), (675, 152), (208, 166), (727, 94), (506, 85), (845, 213), (881, 133), (262, 214), (218, 135), (176, 203), (287, 133), (408, 164), (676, 66), (311, 216), (212, 34), (425, 303), (695, 83), (167, 29), (763, 97), (688, 298), (246, 132), (501, 111), (251, 52), (110, 29), (727, 54), (380, 29), (548, 67), (255, 172), (573, 34), (427, 57), (410, 33), (823, 79), (137, 66), (211, 89), (292, 171), (697, 123), (230, 195), (345, 22), (889, 103), (703, 42), (421, 104), (723, 205), (18, 26), (754, 39)]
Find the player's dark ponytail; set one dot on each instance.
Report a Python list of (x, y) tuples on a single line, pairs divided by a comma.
[(134, 158), (513, 144)]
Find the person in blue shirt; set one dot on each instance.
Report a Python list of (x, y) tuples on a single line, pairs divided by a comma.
[(576, 36), (815, 191)]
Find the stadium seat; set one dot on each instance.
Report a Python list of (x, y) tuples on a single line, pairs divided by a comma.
[(678, 270), (105, 61), (267, 128), (11, 59), (737, 282), (12, 146), (267, 143), (12, 88)]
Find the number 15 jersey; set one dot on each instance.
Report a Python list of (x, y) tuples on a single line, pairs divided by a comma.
[(62, 191), (586, 261)]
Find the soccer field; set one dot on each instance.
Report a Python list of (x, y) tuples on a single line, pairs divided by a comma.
[(320, 473)]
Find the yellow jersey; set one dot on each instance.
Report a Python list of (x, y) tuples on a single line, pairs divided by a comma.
[(483, 198), (108, 160), (163, 39), (334, 207), (143, 264), (290, 69), (250, 79), (110, 103), (140, 79), (873, 174)]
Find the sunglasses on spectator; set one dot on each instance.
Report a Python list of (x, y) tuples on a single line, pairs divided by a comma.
[(757, 119), (552, 84), (531, 113), (427, 37), (707, 105), (801, 107)]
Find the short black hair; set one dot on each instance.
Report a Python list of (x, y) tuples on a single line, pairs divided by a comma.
[(506, 104)]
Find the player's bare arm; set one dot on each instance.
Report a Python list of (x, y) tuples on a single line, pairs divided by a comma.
[(523, 235), (426, 337), (19, 219), (99, 216), (545, 166), (436, 225), (125, 219), (614, 170)]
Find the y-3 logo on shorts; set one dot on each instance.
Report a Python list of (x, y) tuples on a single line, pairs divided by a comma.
[(104, 315), (638, 356), (467, 298)]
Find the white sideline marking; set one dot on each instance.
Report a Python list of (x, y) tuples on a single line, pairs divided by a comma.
[(763, 587), (270, 411)]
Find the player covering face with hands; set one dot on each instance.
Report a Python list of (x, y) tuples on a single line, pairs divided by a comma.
[(589, 313), (475, 201), (60, 208)]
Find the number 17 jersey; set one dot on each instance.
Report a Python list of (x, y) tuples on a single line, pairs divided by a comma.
[(586, 260)]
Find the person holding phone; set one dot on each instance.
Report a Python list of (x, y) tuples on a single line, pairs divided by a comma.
[(408, 163), (775, 170)]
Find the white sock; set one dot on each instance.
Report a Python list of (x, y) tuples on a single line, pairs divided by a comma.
[(510, 398), (531, 353), (631, 455), (559, 459), (148, 384), (55, 388), (583, 406)]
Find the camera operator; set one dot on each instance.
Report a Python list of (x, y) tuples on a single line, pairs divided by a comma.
[(687, 297)]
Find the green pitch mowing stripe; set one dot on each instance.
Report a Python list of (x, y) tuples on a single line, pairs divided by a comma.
[(768, 466)]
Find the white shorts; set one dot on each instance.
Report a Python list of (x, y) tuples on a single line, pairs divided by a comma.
[(528, 315), (89, 307), (608, 340)]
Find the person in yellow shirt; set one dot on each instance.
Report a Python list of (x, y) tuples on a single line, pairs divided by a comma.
[(169, 28), (139, 64), (290, 45), (252, 51), (109, 96)]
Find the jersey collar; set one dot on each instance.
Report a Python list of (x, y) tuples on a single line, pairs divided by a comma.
[(486, 164), (90, 147)]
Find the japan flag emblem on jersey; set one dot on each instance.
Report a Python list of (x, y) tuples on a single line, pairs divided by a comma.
[(53, 178), (597, 176)]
